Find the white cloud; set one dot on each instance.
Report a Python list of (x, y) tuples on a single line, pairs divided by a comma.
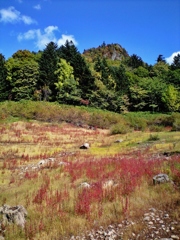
[(11, 15), (49, 30), (31, 34), (37, 7), (27, 20), (42, 38), (170, 59), (64, 38)]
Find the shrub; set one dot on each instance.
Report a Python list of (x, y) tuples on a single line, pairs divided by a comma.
[(176, 123), (120, 128), (156, 128), (153, 137), (138, 123)]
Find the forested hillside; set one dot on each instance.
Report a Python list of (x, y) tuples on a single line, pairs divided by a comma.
[(105, 77)]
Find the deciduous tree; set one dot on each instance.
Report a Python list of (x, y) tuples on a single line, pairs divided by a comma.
[(82, 73), (67, 86)]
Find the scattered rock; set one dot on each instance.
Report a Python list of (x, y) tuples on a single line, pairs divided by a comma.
[(119, 141), (16, 215), (160, 178), (84, 185), (85, 146), (174, 237), (153, 229)]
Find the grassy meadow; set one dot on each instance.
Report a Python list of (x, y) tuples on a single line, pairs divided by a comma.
[(81, 189)]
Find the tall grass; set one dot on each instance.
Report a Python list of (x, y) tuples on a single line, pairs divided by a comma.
[(120, 183)]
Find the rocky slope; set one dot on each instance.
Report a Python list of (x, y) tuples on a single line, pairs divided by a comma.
[(109, 51)]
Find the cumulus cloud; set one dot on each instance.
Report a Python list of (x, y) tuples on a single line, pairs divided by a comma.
[(64, 38), (37, 7), (42, 38), (11, 15), (170, 59)]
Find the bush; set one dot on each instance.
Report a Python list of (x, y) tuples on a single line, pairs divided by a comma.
[(120, 128), (176, 122), (156, 128), (153, 137), (138, 123)]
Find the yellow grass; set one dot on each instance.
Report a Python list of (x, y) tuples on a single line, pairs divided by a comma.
[(20, 139)]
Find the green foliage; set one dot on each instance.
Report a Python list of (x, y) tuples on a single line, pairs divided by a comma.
[(171, 98), (134, 61), (120, 128), (160, 69), (105, 78), (4, 84), (161, 58), (176, 122), (82, 73), (153, 137), (176, 62), (156, 128), (22, 75), (121, 79), (47, 68), (173, 77), (138, 123), (141, 72), (67, 86)]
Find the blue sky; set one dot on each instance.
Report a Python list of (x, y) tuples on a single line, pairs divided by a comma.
[(143, 27)]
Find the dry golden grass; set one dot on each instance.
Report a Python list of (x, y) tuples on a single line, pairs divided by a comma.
[(54, 216)]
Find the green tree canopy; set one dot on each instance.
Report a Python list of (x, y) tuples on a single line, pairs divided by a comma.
[(67, 86), (82, 72), (22, 75)]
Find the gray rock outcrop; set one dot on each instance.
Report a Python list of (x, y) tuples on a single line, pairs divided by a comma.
[(16, 215), (160, 178)]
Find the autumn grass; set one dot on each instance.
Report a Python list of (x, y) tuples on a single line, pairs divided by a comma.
[(56, 205)]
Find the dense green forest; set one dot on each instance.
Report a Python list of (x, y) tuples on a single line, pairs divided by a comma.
[(105, 77)]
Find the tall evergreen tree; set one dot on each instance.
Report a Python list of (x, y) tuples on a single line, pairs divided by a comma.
[(121, 79), (176, 62), (134, 61), (82, 72), (4, 84), (47, 67), (102, 67), (161, 58)]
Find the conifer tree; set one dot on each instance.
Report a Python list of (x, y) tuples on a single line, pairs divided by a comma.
[(47, 68), (4, 84), (82, 73)]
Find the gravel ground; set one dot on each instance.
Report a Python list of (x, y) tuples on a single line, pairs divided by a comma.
[(153, 225)]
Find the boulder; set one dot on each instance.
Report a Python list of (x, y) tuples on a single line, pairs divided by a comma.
[(85, 146), (16, 215), (85, 185), (160, 178), (119, 141)]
